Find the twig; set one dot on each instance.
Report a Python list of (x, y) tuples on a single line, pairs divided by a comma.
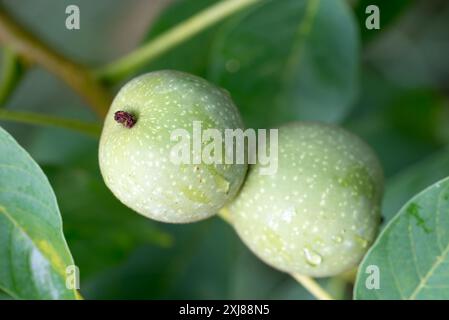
[(119, 69), (312, 286), (76, 76), (91, 129)]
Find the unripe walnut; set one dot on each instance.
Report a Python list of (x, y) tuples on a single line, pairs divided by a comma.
[(319, 213), (136, 145)]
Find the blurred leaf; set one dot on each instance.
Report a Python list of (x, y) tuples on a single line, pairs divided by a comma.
[(197, 267), (403, 126), (413, 179), (100, 230), (287, 60), (412, 253), (422, 115), (414, 52), (59, 147), (208, 261), (34, 254)]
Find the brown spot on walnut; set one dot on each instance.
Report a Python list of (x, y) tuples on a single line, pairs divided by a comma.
[(127, 119)]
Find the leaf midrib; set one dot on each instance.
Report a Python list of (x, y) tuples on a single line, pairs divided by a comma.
[(424, 280)]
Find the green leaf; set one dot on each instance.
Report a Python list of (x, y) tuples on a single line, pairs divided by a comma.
[(412, 253), (287, 60), (33, 252)]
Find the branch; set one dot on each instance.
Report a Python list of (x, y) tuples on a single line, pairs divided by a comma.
[(308, 283), (76, 76), (91, 129), (119, 69)]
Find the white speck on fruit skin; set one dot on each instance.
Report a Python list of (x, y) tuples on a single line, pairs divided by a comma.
[(135, 163), (324, 199)]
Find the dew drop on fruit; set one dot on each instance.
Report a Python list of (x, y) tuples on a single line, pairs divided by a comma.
[(313, 258)]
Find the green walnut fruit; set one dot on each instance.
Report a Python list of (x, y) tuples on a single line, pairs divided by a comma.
[(137, 142), (318, 214)]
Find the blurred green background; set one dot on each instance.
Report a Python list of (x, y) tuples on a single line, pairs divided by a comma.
[(280, 63)]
